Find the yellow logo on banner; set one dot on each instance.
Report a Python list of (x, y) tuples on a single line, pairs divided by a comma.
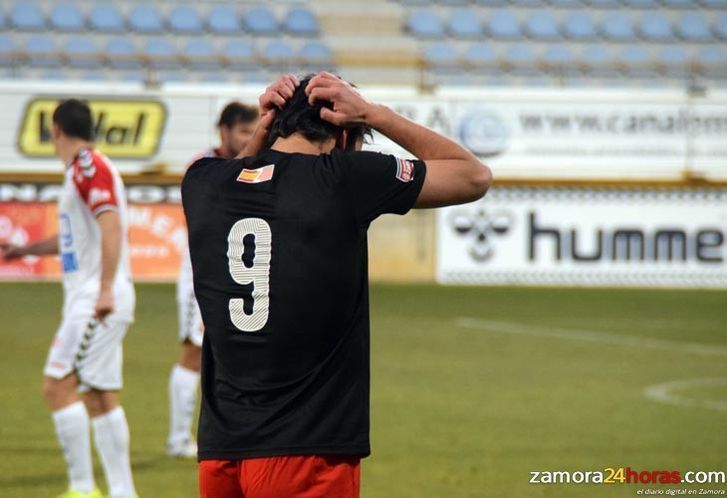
[(130, 129)]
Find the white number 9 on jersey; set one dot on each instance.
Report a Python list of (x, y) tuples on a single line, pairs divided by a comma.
[(248, 255)]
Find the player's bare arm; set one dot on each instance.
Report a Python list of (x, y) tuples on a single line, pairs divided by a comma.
[(111, 234), (454, 174), (274, 97), (45, 247)]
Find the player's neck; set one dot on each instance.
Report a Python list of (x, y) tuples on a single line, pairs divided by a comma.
[(297, 143), (70, 148)]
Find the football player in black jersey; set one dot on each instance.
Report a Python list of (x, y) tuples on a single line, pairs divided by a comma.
[(279, 255)]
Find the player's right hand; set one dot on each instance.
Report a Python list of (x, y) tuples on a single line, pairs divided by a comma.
[(350, 108), (10, 252)]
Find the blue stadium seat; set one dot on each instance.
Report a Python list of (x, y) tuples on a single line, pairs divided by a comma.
[(106, 18), (145, 18), (425, 24), (455, 3), (541, 25), (185, 19), (465, 23), (223, 19), (240, 54), (527, 3), (81, 51), (673, 59), (519, 55), (579, 26), (440, 55), (634, 57), (617, 26), (27, 16), (278, 51), (566, 3), (693, 27), (654, 26), (710, 56), (315, 52), (596, 56), (41, 52), (714, 4), (480, 55), (67, 17), (558, 55), (720, 27), (160, 53), (604, 4), (260, 20), (7, 51), (492, 3), (121, 54), (641, 4), (200, 55), (680, 4), (301, 21), (503, 24)]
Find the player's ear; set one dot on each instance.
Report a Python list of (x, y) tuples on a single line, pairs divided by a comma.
[(55, 131)]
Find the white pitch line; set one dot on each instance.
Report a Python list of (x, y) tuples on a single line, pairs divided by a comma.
[(591, 336), (663, 393)]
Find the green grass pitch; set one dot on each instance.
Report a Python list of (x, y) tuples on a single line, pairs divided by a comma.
[(472, 389)]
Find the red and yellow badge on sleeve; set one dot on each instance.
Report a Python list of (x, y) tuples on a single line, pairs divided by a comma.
[(258, 175)]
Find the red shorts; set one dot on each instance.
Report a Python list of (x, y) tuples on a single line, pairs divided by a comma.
[(281, 477)]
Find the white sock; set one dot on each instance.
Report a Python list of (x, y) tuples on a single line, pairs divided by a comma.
[(111, 435), (72, 430), (182, 402)]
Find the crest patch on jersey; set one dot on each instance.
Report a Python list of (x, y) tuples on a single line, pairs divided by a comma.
[(404, 170), (98, 196), (258, 175)]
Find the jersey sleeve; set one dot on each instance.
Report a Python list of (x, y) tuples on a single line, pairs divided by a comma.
[(381, 183), (95, 183)]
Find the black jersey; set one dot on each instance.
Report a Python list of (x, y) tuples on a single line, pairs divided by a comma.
[(279, 255)]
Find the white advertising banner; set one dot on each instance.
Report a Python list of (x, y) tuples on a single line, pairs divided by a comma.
[(601, 237)]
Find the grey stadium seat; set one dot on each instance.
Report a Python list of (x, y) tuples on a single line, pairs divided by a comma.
[(654, 26), (503, 24), (301, 21), (41, 52), (260, 20), (67, 17), (617, 26), (106, 18), (580, 26), (223, 19), (185, 19), (541, 25), (27, 16), (465, 23), (81, 51), (425, 24), (692, 26), (145, 18)]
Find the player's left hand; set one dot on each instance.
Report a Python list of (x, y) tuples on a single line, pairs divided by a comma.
[(278, 94), (104, 304)]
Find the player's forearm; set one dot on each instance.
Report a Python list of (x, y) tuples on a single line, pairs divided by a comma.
[(111, 237), (422, 142), (43, 247)]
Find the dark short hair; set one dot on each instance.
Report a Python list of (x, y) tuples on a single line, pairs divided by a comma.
[(73, 117), (236, 112), (298, 116)]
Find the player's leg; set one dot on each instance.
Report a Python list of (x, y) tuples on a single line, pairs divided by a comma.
[(220, 479), (99, 373), (70, 417), (184, 379), (301, 477)]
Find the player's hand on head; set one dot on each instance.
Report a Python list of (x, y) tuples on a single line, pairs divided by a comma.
[(104, 304), (350, 108), (277, 94)]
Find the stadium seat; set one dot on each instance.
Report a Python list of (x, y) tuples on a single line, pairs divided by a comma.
[(106, 18), (673, 59), (596, 57), (260, 20), (480, 55), (315, 52), (519, 55), (558, 55), (634, 57), (641, 4), (7, 51), (301, 21), (425, 24), (2, 19), (27, 16), (66, 17), (278, 52), (654, 26), (527, 3), (81, 52), (465, 23), (41, 52), (720, 27), (680, 4), (604, 4), (566, 3), (145, 18), (693, 27), (121, 54), (579, 26), (491, 3), (503, 24), (160, 53), (617, 26), (454, 3), (200, 55), (714, 4), (440, 55), (541, 25), (712, 59), (239, 54), (185, 19), (223, 19)]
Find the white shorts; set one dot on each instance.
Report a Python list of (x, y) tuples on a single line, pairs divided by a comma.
[(90, 349), (191, 327)]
